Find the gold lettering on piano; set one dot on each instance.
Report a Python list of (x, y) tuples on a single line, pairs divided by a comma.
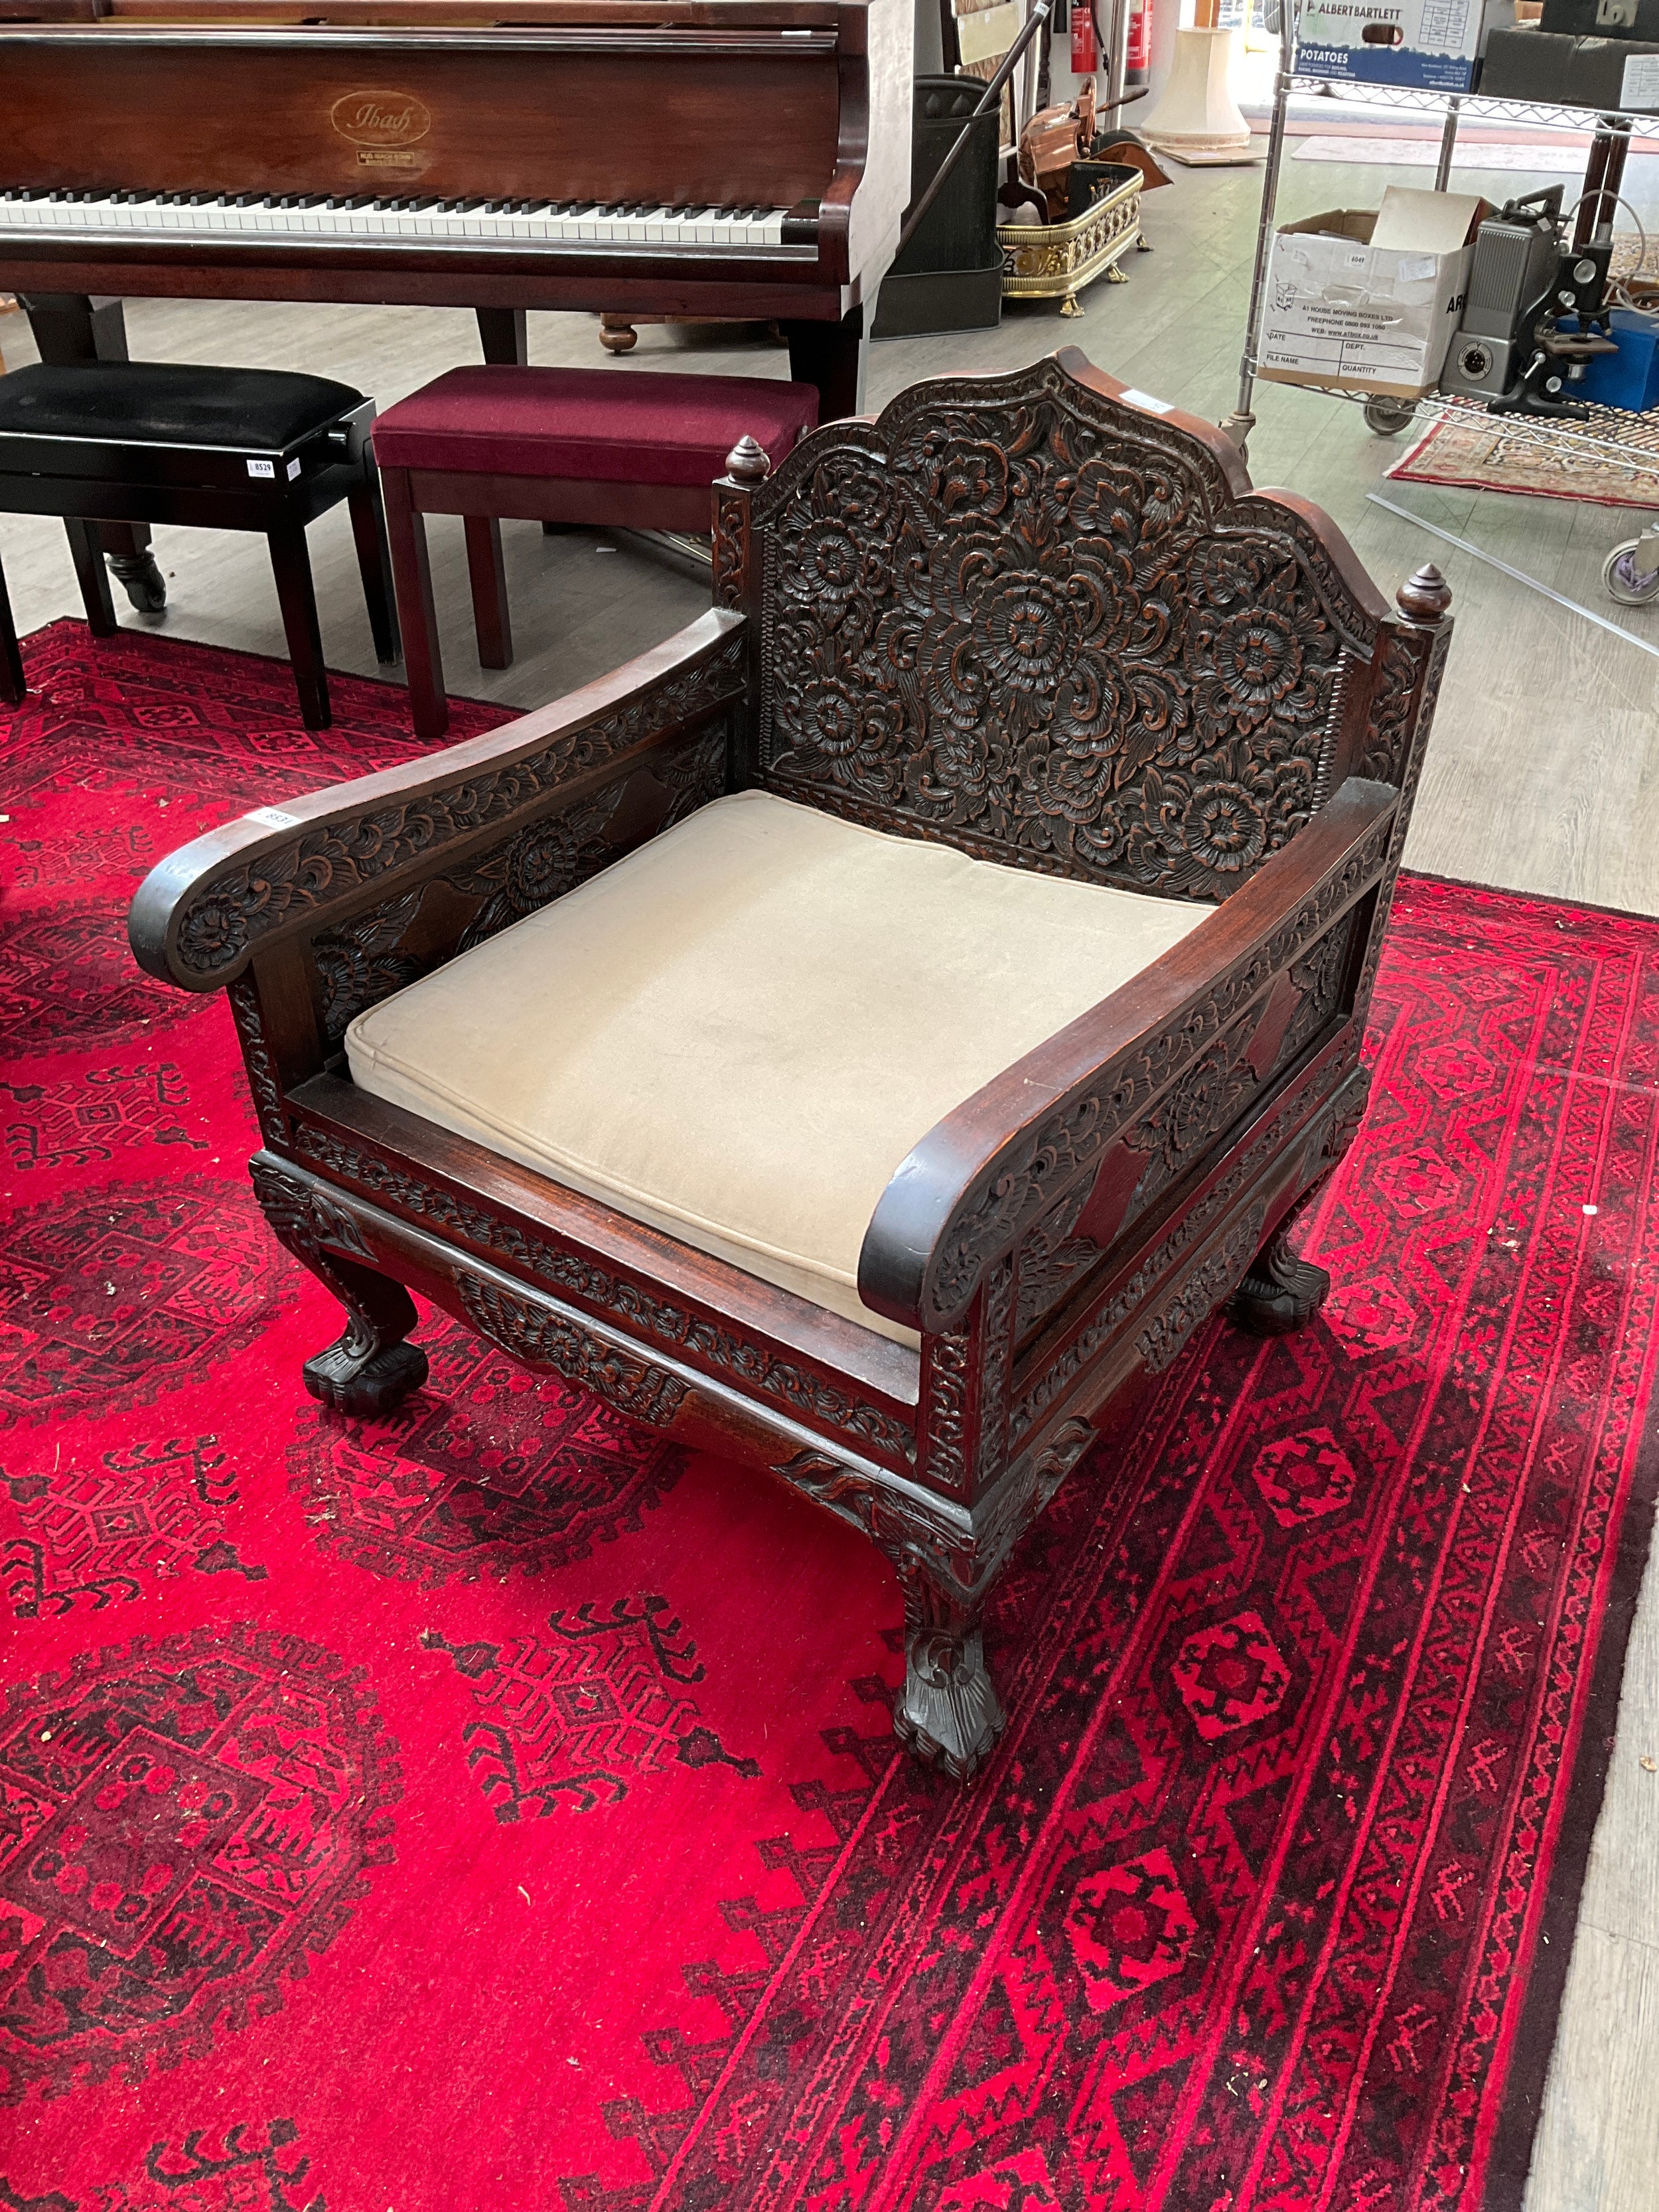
[(380, 118)]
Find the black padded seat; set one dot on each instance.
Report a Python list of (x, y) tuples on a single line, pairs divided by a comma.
[(171, 403), (109, 443)]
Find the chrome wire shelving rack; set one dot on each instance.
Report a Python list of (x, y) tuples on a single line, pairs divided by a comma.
[(1608, 439), (1606, 435)]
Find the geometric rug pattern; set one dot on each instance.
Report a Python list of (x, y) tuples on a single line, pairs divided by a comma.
[(494, 1805)]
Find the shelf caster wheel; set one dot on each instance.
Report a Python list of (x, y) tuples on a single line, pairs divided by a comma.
[(1388, 417), (141, 579), (1622, 579)]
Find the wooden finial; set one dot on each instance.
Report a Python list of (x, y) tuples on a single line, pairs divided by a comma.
[(747, 462), (1425, 596)]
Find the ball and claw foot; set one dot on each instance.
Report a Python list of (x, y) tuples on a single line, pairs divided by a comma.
[(948, 1714), (141, 579), (347, 1379), (1281, 1293)]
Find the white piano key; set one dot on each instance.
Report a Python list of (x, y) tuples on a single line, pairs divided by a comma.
[(628, 227)]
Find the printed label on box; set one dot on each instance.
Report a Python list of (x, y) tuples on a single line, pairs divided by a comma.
[(1639, 86), (1429, 46)]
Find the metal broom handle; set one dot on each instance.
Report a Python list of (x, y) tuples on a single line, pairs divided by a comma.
[(1009, 62)]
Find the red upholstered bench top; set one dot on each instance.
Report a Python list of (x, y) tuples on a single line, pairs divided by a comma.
[(615, 426)]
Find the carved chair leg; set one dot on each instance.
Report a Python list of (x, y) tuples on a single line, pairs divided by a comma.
[(1280, 1292), (370, 1369), (948, 1714)]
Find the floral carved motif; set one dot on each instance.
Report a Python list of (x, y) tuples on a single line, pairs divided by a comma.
[(997, 1344), (262, 1081), (731, 548), (1410, 776), (305, 1217), (1388, 729), (790, 1385), (1029, 1178), (1332, 1132), (914, 1530), (1051, 1259), (226, 912), (947, 1410), (544, 1338), (370, 955), (1168, 1330), (1041, 627)]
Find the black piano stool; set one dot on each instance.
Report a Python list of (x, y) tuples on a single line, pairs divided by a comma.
[(220, 448)]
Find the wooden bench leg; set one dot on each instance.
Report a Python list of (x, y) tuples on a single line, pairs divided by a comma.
[(85, 545), (374, 566), (71, 326), (487, 572), (423, 668), (292, 566), (12, 687)]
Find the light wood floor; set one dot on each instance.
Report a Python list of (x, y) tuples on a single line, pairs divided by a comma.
[(1544, 776)]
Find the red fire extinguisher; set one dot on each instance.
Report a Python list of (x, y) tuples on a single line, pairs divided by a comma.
[(1085, 60), (1138, 59)]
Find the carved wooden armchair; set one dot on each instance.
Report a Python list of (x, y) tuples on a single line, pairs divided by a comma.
[(800, 1132)]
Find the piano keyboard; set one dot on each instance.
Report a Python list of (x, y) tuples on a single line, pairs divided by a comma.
[(250, 219)]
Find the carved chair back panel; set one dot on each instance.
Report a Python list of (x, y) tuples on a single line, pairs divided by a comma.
[(1031, 621)]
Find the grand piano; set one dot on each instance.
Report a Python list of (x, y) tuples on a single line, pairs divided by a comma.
[(718, 158)]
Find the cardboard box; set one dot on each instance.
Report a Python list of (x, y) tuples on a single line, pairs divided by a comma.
[(1366, 299), (1619, 75), (1434, 46)]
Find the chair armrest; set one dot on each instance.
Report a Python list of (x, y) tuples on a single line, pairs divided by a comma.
[(201, 913), (980, 1177)]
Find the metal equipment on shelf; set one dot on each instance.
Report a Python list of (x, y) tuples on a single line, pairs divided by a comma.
[(1630, 573)]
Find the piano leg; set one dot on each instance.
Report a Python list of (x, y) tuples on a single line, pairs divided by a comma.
[(832, 355), (503, 336), (70, 326)]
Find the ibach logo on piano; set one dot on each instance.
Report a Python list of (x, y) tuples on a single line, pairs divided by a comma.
[(380, 118)]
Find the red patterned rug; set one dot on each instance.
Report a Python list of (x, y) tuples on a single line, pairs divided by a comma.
[(493, 1807)]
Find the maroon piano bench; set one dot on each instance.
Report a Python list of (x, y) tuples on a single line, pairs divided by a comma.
[(593, 446)]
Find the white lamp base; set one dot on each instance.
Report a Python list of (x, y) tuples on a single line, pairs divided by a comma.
[(1197, 121)]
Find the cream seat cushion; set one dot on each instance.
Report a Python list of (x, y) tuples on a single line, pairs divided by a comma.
[(737, 1033)]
